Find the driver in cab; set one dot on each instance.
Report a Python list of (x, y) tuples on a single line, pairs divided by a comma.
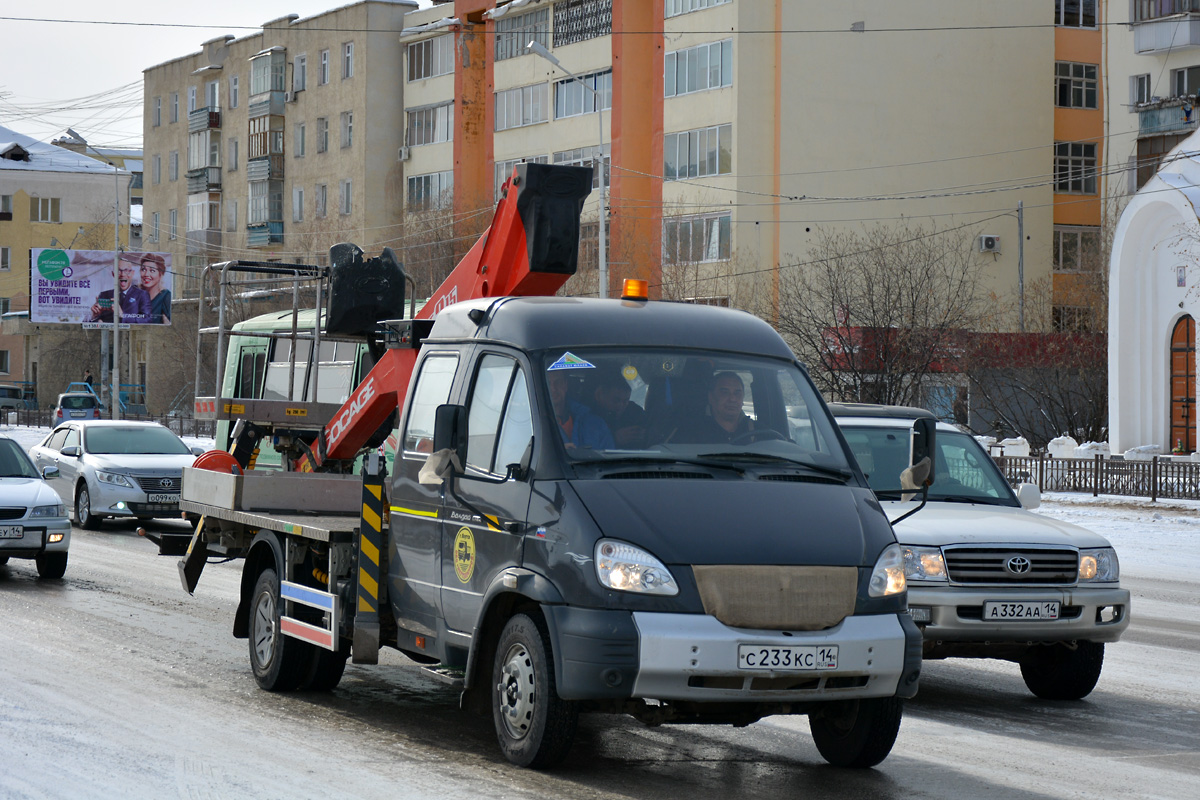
[(723, 421)]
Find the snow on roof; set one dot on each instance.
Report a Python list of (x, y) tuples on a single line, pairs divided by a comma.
[(45, 157)]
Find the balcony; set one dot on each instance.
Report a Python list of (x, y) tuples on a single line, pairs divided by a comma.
[(1166, 34), (203, 119), (265, 168), (1166, 116), (203, 242), (205, 179), (264, 234), (266, 104)]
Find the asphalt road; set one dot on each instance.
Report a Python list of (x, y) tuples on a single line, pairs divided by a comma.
[(115, 683)]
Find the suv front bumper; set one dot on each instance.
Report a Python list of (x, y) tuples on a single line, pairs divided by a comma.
[(1096, 614)]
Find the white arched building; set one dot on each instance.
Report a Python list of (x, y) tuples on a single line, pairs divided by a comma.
[(1154, 302)]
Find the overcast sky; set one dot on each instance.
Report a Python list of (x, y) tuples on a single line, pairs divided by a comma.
[(87, 74)]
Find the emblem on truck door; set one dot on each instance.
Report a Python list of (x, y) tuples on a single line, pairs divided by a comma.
[(464, 554)]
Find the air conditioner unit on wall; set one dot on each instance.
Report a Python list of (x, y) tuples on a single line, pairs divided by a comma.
[(289, 97), (402, 154), (989, 243)]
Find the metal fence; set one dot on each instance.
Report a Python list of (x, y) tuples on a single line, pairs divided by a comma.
[(183, 426), (1163, 477)]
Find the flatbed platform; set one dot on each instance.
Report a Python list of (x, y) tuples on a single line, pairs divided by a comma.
[(334, 528)]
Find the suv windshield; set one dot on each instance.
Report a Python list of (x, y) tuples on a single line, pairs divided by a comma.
[(634, 404), (964, 472), (135, 441)]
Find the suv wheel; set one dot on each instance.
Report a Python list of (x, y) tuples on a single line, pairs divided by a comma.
[(1063, 671)]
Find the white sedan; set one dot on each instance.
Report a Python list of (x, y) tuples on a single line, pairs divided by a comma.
[(33, 523)]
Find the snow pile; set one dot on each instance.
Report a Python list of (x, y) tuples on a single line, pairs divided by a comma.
[(1093, 449), (986, 442), (1062, 447), (1018, 447), (1146, 452)]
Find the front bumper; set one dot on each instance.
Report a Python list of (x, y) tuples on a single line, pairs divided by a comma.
[(1096, 614), (122, 501), (35, 539)]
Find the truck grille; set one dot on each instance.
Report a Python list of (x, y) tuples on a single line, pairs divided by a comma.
[(1001, 565), (777, 598), (159, 483)]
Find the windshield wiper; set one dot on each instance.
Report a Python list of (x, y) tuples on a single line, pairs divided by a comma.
[(963, 498), (843, 474), (660, 460)]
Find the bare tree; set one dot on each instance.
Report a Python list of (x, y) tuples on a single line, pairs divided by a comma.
[(875, 313)]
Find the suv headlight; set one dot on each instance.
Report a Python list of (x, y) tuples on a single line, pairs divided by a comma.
[(1099, 565), (888, 576), (49, 511), (626, 568), (924, 564), (115, 479)]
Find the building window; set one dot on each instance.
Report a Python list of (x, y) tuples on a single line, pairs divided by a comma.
[(154, 226), (1077, 13), (233, 91), (513, 34), (322, 134), (156, 170), (698, 153), (347, 128), (320, 198), (297, 204), (580, 20), (431, 125), (430, 191), (696, 69), (266, 202), (298, 140), (587, 157), (231, 215), (1150, 153), (1075, 168), (345, 196), (267, 72), (348, 60), (431, 57), (677, 7), (204, 149), (44, 209), (4, 359), (6, 205), (695, 239), (1139, 90), (504, 169), (5, 302), (191, 101), (174, 106), (204, 212), (571, 99), (300, 73), (1076, 249), (233, 155), (156, 114), (172, 223), (1186, 81), (173, 165), (1075, 85), (5, 259), (323, 68), (524, 105), (1154, 9), (212, 95), (266, 137), (1072, 319)]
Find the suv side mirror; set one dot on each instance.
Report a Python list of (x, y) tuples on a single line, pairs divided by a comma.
[(450, 430), (923, 446)]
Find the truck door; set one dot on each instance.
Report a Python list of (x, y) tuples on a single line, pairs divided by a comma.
[(483, 528), (415, 542)]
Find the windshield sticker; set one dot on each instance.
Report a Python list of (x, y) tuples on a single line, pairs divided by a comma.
[(570, 361), (668, 366), (630, 372)]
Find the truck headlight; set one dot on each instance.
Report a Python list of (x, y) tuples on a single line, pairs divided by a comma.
[(49, 511), (115, 479), (626, 568), (1099, 565), (924, 564), (888, 576)]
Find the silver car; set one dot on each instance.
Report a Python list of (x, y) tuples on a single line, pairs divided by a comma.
[(33, 522), (113, 468)]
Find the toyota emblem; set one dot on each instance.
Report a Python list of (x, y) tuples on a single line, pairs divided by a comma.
[(167, 483), (1018, 565)]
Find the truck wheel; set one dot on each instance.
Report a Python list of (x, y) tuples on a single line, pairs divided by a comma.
[(3, 560), (1060, 672), (279, 662), (325, 670), (534, 725), (51, 565), (83, 510), (857, 733)]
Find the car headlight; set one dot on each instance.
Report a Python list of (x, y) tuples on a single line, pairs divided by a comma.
[(626, 568), (49, 511), (924, 564), (888, 576), (115, 478), (1099, 565)]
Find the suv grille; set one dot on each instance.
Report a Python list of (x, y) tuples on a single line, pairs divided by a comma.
[(1012, 565), (158, 483)]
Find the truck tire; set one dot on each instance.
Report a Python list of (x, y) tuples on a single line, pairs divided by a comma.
[(325, 670), (534, 725), (1063, 672), (51, 565), (280, 663), (857, 733), (3, 560), (83, 509)]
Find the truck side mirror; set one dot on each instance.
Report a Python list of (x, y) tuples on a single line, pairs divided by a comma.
[(923, 446), (450, 430)]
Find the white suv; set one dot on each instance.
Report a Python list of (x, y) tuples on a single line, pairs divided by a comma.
[(987, 578)]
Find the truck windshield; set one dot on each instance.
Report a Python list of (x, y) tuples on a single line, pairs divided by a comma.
[(612, 403)]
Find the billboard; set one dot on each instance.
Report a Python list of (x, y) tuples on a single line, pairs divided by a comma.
[(76, 286)]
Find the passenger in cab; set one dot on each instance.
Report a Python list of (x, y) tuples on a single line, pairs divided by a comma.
[(723, 421), (626, 421), (576, 422)]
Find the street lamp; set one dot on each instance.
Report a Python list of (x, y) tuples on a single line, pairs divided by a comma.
[(539, 49), (115, 393)]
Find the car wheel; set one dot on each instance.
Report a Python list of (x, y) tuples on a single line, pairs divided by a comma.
[(280, 663), (3, 560), (1063, 671), (534, 725), (83, 510), (857, 733), (51, 566)]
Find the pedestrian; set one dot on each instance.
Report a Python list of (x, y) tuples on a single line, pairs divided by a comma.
[(87, 378)]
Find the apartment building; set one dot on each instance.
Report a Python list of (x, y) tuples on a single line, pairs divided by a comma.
[(275, 145)]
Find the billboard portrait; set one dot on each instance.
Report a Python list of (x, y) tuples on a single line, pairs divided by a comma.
[(76, 286)]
